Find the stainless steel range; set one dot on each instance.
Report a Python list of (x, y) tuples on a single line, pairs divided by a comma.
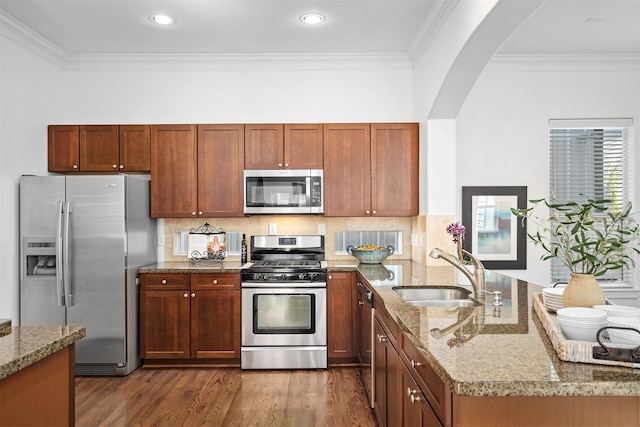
[(284, 304)]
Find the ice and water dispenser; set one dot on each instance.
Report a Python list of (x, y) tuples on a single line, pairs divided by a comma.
[(40, 258)]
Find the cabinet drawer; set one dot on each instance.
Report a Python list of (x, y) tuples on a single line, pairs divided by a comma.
[(164, 281), (429, 382), (221, 281), (387, 321)]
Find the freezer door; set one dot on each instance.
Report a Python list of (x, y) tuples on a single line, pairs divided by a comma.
[(97, 267), (40, 292)]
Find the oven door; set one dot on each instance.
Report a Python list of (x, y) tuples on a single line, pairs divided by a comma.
[(284, 316)]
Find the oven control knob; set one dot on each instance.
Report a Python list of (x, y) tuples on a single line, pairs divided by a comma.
[(256, 276), (266, 276), (301, 276), (283, 276), (313, 275)]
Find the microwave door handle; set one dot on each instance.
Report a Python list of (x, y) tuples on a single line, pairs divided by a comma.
[(59, 251), (308, 190), (65, 257)]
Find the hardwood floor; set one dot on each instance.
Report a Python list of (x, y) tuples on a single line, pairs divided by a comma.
[(224, 397)]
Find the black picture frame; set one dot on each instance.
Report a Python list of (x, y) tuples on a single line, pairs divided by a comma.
[(494, 235)]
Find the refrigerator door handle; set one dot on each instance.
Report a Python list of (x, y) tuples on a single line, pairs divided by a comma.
[(59, 245), (68, 296)]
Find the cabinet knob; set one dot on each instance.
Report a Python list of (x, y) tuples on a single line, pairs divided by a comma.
[(200, 213), (215, 282), (360, 303), (286, 165), (164, 281), (367, 212), (193, 295), (415, 364), (330, 277), (382, 338), (373, 213), (75, 166), (193, 213), (114, 166), (415, 398), (121, 166), (186, 295), (280, 165)]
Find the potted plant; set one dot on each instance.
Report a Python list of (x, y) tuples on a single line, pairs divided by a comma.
[(590, 238), (457, 231)]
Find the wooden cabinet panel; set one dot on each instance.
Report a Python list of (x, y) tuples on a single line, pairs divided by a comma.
[(215, 324), (209, 282), (220, 170), (416, 411), (164, 281), (263, 146), (386, 373), (341, 316), (394, 169), (303, 146), (347, 169), (173, 171), (165, 324), (63, 148), (135, 148), (99, 148)]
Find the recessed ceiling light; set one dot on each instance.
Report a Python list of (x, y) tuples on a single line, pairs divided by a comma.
[(312, 18), (162, 19)]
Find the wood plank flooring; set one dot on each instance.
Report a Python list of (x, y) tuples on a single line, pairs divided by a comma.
[(224, 397)]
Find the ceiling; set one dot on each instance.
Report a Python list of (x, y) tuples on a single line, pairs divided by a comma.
[(251, 27)]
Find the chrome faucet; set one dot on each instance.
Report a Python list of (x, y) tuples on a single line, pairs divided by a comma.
[(477, 280)]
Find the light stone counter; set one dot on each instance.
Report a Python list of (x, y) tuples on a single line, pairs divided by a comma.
[(195, 267), (26, 345), (508, 355)]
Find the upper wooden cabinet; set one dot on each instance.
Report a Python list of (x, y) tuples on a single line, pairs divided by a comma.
[(99, 148), (371, 170), (220, 166), (290, 146), (174, 171)]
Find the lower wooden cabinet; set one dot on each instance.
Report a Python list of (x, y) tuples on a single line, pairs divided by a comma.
[(342, 331), (196, 317), (386, 371), (416, 411)]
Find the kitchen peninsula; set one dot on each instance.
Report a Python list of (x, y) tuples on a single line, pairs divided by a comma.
[(37, 374), (475, 366)]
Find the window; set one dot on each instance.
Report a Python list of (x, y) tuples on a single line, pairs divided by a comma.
[(591, 158), (356, 238)]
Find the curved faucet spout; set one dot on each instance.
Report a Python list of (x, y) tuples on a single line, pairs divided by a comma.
[(477, 279)]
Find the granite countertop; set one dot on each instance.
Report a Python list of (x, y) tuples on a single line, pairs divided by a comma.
[(473, 350), (26, 345), (477, 353)]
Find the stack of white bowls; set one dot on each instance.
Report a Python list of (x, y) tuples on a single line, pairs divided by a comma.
[(552, 298), (581, 323), (624, 338)]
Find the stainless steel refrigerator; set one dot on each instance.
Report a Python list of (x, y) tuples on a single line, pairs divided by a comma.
[(82, 241)]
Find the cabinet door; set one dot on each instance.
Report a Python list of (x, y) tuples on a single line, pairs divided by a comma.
[(303, 147), (173, 171), (347, 170), (99, 148), (263, 147), (341, 316), (416, 411), (386, 371), (394, 169), (215, 324), (164, 324), (135, 148), (63, 148), (220, 168)]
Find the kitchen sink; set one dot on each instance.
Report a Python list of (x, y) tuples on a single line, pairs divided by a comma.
[(433, 296)]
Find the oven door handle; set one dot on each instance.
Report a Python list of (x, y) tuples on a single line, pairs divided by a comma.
[(283, 285)]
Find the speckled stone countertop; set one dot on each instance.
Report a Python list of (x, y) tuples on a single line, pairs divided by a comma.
[(477, 353), (26, 345), (195, 267), (474, 351)]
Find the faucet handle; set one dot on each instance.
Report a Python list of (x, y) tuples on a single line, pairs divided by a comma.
[(497, 296)]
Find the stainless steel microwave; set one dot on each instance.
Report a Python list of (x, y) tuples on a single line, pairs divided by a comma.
[(283, 191)]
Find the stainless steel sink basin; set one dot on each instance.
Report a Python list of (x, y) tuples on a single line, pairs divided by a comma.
[(432, 296)]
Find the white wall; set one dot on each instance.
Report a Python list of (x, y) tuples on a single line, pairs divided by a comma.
[(502, 130), (32, 95), (35, 94)]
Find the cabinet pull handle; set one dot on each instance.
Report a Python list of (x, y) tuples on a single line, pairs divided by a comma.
[(415, 364), (164, 281), (186, 295), (200, 213), (193, 295), (409, 392), (75, 166), (415, 398), (360, 303), (193, 213), (286, 165), (215, 282), (280, 165), (330, 277), (374, 212), (382, 338), (367, 212), (121, 166), (115, 166)]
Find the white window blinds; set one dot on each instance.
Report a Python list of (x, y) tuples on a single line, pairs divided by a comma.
[(591, 158)]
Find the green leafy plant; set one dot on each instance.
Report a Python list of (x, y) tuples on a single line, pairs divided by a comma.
[(592, 237)]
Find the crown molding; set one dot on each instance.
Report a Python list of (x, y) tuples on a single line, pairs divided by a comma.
[(563, 62)]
